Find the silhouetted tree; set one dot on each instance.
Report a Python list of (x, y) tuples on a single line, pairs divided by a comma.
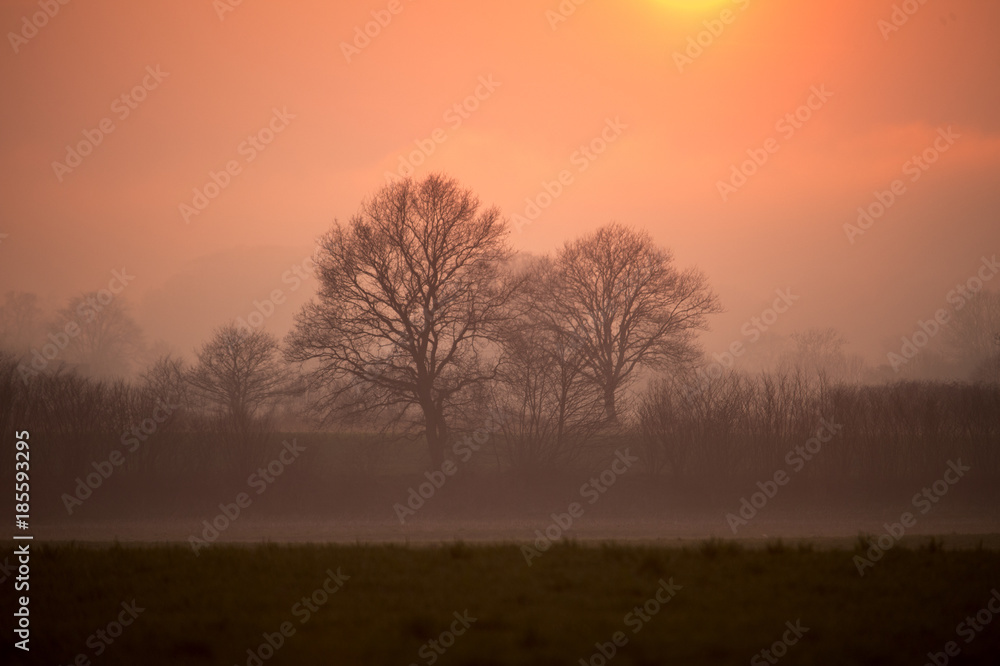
[(166, 379), (239, 374), (970, 336), (411, 291), (108, 338), (727, 423), (819, 352), (626, 304), (21, 323), (548, 409), (989, 369)]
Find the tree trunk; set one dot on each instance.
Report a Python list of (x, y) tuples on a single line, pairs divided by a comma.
[(610, 408), (436, 433)]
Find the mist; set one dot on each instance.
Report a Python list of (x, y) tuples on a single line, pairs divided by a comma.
[(531, 332)]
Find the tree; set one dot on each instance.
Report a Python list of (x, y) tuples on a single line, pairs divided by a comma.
[(108, 338), (627, 306), (166, 379), (971, 334), (20, 322), (989, 369), (547, 408), (411, 293), (819, 352), (683, 419), (238, 374)]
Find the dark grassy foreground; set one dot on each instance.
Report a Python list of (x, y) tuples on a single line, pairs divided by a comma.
[(734, 602)]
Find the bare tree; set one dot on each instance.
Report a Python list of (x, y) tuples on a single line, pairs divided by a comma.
[(20, 322), (989, 369), (680, 426), (239, 374), (548, 410), (971, 334), (411, 293), (108, 338), (627, 306), (730, 423), (166, 379), (819, 353), (663, 439)]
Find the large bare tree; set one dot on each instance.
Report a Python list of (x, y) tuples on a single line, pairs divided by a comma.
[(411, 292), (626, 304)]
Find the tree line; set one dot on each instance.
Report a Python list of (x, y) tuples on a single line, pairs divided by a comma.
[(426, 324)]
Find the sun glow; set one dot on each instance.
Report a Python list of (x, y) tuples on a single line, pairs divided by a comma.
[(698, 6)]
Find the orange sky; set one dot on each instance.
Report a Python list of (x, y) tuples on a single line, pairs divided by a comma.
[(556, 88)]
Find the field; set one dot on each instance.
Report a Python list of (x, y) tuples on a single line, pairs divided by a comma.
[(719, 602)]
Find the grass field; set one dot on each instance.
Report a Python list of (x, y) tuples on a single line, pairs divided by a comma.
[(724, 603)]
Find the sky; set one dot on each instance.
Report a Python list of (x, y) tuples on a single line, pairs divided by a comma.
[(202, 146)]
